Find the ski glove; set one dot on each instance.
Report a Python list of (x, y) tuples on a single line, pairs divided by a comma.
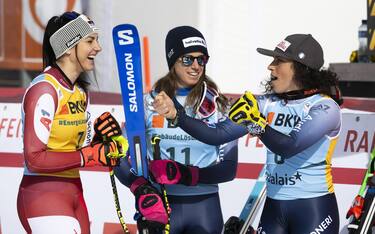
[(100, 154), (171, 172), (149, 203), (356, 208), (105, 127), (234, 225), (245, 111)]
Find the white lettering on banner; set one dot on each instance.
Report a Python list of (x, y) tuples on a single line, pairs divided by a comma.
[(323, 225), (356, 141)]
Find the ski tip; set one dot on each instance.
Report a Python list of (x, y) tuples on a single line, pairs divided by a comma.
[(121, 27), (125, 35)]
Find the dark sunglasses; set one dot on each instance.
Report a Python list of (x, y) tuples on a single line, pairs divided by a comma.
[(188, 60)]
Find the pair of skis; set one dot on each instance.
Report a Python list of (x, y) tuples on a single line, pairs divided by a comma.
[(128, 56), (364, 223), (242, 224)]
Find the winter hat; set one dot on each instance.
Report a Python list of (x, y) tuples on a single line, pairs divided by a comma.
[(302, 48), (182, 40)]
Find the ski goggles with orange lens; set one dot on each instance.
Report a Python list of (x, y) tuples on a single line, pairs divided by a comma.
[(207, 105), (188, 60)]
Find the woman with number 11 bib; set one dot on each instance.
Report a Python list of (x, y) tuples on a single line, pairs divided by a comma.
[(189, 168)]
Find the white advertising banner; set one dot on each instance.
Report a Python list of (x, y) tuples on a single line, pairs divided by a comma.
[(349, 161)]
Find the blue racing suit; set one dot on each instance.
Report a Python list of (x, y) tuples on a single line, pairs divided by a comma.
[(300, 138), (216, 164)]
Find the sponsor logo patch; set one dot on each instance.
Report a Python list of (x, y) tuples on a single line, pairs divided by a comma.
[(73, 40), (194, 41), (283, 45)]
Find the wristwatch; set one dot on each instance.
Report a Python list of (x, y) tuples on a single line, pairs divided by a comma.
[(174, 122)]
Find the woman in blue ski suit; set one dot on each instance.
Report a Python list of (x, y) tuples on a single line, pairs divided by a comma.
[(190, 169)]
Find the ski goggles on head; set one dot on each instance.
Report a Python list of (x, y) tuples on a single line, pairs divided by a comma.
[(207, 105), (188, 60)]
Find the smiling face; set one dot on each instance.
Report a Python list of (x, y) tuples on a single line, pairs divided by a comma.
[(282, 73), (188, 76), (86, 50)]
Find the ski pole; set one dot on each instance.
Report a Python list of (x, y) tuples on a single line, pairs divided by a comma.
[(155, 141), (364, 222), (124, 145), (367, 175)]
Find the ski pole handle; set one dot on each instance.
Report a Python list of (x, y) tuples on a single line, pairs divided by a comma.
[(123, 145), (155, 141)]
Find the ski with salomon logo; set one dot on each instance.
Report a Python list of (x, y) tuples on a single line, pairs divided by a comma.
[(128, 55), (242, 224)]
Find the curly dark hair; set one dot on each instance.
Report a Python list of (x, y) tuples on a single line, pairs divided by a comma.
[(324, 81)]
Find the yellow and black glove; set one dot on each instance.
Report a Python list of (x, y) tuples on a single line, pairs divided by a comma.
[(245, 111)]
